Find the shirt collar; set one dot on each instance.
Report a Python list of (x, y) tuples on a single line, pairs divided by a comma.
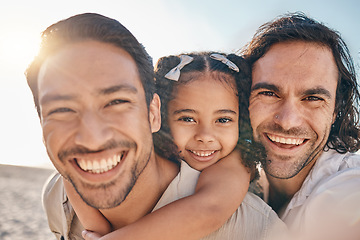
[(326, 165)]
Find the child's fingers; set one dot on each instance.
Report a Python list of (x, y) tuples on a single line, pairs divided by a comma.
[(88, 235)]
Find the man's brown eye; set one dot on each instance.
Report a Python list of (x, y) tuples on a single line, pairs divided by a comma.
[(117, 101), (313, 98), (60, 110), (267, 93)]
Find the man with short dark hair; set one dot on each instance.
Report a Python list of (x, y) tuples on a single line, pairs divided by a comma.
[(92, 84), (303, 109)]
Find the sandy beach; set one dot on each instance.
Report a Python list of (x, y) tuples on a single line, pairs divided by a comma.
[(22, 216)]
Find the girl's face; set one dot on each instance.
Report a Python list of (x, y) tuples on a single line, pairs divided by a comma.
[(203, 119)]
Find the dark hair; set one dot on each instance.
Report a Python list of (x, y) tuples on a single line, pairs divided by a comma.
[(202, 62), (345, 132), (91, 26)]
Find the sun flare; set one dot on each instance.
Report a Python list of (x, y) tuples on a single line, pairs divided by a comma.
[(17, 49)]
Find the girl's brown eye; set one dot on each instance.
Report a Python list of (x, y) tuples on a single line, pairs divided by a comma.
[(117, 101), (224, 120), (186, 119)]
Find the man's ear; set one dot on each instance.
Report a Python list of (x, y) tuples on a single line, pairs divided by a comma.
[(154, 113), (334, 117)]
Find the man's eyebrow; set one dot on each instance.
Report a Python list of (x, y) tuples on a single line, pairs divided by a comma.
[(265, 86), (104, 91), (118, 88), (55, 97), (318, 91)]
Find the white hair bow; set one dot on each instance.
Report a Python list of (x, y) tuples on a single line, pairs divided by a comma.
[(224, 60), (174, 74)]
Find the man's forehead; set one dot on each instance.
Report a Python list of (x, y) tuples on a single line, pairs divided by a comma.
[(92, 66), (297, 61)]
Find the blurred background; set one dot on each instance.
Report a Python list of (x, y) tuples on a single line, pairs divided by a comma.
[(163, 26)]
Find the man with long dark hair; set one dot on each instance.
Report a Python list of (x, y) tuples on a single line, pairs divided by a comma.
[(304, 110)]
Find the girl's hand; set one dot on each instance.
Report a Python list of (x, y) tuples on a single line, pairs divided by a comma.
[(88, 235)]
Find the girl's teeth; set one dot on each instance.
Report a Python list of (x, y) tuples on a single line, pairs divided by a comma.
[(203, 154)]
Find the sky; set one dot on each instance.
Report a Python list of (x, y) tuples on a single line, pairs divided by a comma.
[(164, 27)]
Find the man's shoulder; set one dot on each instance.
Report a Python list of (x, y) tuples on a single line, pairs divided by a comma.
[(330, 191), (351, 160), (333, 170), (340, 160), (53, 193), (256, 204), (181, 186), (59, 212), (52, 196)]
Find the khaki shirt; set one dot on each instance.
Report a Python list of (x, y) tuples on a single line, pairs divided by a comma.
[(253, 220)]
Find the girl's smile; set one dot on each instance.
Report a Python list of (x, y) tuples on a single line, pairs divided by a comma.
[(203, 119)]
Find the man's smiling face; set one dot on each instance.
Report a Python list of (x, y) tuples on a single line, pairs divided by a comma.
[(292, 105), (96, 125)]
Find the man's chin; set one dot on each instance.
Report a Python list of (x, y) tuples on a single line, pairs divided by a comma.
[(279, 173), (281, 169), (104, 196)]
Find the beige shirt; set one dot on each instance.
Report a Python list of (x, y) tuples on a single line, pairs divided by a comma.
[(253, 220), (327, 206)]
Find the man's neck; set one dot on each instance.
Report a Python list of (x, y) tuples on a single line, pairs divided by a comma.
[(146, 192), (281, 191)]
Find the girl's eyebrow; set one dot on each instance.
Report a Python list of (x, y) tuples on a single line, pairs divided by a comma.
[(224, 111), (220, 111), (186, 110)]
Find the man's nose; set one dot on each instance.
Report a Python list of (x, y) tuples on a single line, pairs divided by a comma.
[(289, 115), (93, 131)]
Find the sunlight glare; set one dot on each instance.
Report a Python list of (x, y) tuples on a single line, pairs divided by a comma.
[(17, 49)]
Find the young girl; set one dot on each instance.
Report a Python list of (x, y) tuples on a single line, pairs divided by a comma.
[(204, 107)]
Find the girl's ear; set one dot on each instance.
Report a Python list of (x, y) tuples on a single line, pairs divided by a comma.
[(154, 113)]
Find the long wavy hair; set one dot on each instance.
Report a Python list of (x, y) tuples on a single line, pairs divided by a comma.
[(345, 132)]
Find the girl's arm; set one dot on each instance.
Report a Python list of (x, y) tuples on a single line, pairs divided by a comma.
[(90, 217), (219, 192)]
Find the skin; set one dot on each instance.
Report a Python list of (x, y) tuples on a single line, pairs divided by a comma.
[(292, 107), (204, 128), (93, 109), (203, 116)]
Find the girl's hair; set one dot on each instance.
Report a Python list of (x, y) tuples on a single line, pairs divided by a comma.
[(202, 63)]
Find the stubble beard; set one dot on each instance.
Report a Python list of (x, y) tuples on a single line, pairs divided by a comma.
[(292, 166), (111, 194), (105, 195), (285, 172)]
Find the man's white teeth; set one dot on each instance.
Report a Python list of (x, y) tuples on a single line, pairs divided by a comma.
[(203, 154), (99, 166), (293, 141)]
